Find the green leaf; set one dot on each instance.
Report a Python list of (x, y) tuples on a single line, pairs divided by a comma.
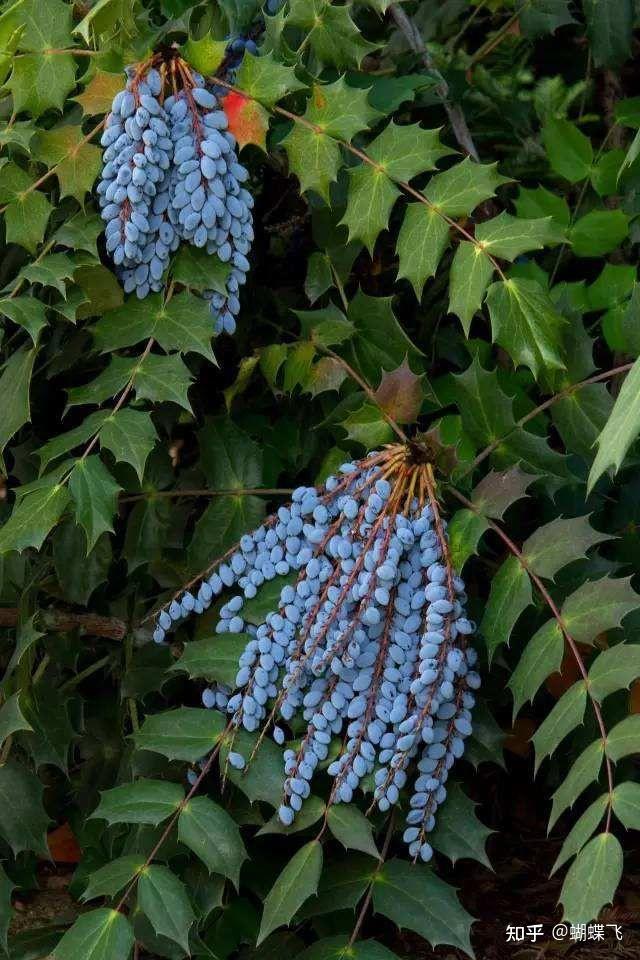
[(262, 780), (256, 608), (143, 801), (458, 190), (614, 669), (28, 313), (12, 718), (265, 79), (621, 428), (540, 202), (95, 493), (52, 271), (487, 417), (597, 606), (164, 379), (82, 231), (486, 743), (342, 885), (510, 595), (423, 238), (199, 270), (184, 323), (559, 542), (130, 436), (626, 804), (331, 33), (525, 322), (350, 826), (366, 425), (606, 172), (459, 834), (319, 278), (544, 16), (110, 381), (336, 112), (187, 733), (624, 738), (581, 831), (592, 879), (465, 530), (370, 197), (23, 824), (340, 947), (231, 460), (610, 30), (163, 898), (214, 837), (297, 882), (509, 237), (77, 163), (215, 658), (42, 81), (380, 343), (110, 879), (404, 151), (98, 935), (471, 271), (15, 384), (584, 771), (48, 714), (327, 326), (599, 232), (569, 150), (33, 519), (79, 575), (567, 714), (206, 54), (6, 888), (541, 657), (414, 898)]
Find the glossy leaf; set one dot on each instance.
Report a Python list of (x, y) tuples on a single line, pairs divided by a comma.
[(297, 882)]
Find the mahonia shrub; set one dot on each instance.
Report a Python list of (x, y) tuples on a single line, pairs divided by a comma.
[(265, 610)]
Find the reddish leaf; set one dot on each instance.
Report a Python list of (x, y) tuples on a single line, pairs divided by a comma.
[(63, 846), (248, 121), (400, 393), (519, 740)]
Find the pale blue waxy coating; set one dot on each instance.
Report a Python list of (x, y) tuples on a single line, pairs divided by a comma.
[(374, 665)]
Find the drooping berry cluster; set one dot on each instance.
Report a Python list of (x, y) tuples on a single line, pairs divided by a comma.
[(369, 644), (171, 173)]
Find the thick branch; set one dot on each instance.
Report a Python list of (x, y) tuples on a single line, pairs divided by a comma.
[(89, 623)]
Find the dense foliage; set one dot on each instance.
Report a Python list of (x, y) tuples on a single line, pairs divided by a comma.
[(442, 285)]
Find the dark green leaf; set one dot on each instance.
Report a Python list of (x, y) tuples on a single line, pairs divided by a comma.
[(98, 935), (592, 879), (23, 824), (297, 882), (143, 801), (350, 826), (113, 877), (163, 898), (214, 837), (187, 733), (414, 898)]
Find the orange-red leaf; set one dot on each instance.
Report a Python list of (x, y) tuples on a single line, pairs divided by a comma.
[(248, 120), (63, 846)]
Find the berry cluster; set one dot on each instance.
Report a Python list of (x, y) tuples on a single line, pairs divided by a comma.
[(370, 643), (171, 173)]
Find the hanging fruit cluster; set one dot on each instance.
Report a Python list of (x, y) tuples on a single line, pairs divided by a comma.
[(171, 173), (369, 644)]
